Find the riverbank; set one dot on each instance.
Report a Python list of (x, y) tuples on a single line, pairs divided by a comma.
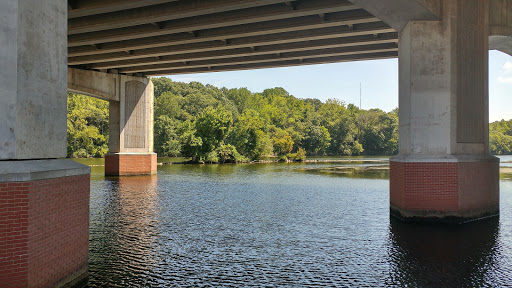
[(356, 160)]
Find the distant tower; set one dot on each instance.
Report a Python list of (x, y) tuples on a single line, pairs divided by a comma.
[(360, 94)]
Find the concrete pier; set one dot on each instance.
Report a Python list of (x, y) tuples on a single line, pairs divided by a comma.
[(130, 120), (44, 203), (444, 171)]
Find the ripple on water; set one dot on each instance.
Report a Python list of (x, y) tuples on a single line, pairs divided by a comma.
[(274, 225)]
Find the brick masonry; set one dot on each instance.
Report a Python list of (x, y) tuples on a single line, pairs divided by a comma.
[(444, 189), (44, 230), (130, 164)]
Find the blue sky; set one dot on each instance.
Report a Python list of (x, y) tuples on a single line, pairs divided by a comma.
[(378, 79)]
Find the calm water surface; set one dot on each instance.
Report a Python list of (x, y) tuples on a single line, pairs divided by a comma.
[(280, 225)]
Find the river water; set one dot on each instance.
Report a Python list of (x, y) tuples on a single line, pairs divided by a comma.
[(281, 225)]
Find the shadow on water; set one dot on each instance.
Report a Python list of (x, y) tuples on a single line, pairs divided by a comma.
[(355, 172), (429, 255)]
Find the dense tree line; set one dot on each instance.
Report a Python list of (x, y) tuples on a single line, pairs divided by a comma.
[(225, 125), (214, 124)]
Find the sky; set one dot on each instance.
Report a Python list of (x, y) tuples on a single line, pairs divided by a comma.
[(375, 82)]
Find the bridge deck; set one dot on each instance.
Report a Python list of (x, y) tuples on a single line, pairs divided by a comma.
[(169, 37)]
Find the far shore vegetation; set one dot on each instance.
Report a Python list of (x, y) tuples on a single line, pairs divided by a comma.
[(220, 125)]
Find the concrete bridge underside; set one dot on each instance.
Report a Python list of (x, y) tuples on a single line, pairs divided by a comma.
[(107, 49)]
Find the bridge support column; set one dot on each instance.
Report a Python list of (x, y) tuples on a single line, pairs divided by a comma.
[(444, 171), (131, 129), (44, 201)]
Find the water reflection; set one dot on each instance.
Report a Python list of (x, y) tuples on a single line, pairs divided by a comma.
[(124, 232), (352, 170), (443, 255), (276, 225)]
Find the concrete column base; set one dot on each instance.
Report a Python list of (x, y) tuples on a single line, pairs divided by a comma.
[(44, 223), (452, 189), (130, 164)]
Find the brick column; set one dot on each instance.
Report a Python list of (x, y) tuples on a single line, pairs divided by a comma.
[(44, 223), (444, 171), (131, 129)]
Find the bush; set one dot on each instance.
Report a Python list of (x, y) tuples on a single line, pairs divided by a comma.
[(211, 157)]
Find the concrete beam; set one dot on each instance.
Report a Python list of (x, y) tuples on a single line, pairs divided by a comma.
[(159, 13), (275, 57), (225, 33), (286, 63), (81, 8), (397, 13), (261, 50), (101, 85), (333, 33), (241, 17)]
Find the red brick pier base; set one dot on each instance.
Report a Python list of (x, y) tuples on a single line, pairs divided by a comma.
[(455, 189), (130, 164), (44, 223)]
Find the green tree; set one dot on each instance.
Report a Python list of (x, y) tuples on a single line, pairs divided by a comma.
[(87, 126), (317, 140), (191, 144), (212, 126), (166, 139), (282, 143)]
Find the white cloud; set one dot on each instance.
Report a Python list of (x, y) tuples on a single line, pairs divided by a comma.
[(502, 79), (507, 70), (507, 67)]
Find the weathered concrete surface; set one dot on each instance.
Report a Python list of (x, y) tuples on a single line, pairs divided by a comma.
[(32, 170), (136, 115), (131, 129), (443, 101), (397, 13), (104, 86), (33, 59), (443, 96)]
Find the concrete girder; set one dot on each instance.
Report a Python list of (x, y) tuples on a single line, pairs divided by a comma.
[(246, 16), (159, 13), (273, 57), (238, 31), (81, 8), (397, 13), (248, 51), (333, 33), (500, 25), (286, 63)]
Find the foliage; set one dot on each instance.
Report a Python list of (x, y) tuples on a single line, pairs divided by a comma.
[(282, 142), (87, 126), (166, 139), (299, 156), (214, 124), (500, 137)]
